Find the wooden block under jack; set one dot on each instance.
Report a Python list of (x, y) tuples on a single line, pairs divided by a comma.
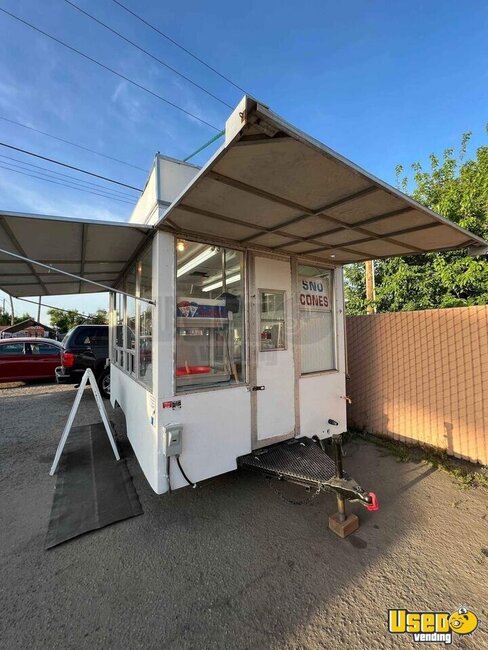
[(345, 527)]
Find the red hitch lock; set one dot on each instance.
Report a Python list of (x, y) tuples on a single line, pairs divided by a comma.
[(374, 505)]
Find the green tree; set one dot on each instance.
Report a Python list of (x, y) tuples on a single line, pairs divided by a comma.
[(457, 189), (100, 317), (65, 320), (5, 318)]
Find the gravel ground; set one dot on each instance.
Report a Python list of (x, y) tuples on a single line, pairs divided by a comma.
[(229, 565)]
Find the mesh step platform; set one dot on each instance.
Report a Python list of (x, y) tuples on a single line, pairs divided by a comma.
[(303, 461), (300, 460)]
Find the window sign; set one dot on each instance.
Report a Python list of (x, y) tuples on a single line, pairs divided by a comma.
[(314, 294), (317, 327)]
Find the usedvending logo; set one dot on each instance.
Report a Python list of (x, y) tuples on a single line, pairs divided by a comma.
[(432, 627)]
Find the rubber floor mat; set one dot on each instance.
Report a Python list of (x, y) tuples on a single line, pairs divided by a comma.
[(92, 489)]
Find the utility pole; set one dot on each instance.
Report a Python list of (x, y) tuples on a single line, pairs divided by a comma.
[(39, 311), (12, 315), (370, 287)]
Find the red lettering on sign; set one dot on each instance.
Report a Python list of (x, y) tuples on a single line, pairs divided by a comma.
[(312, 300)]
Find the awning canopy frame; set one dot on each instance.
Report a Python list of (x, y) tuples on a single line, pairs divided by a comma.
[(81, 279), (259, 149), (37, 250)]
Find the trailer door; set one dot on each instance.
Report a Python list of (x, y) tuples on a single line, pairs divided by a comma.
[(273, 369)]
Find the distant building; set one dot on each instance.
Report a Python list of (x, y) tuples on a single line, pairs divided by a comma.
[(28, 327)]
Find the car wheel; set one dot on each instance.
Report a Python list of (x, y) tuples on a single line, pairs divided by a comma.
[(104, 383)]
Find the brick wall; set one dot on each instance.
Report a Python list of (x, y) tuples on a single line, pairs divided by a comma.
[(422, 376)]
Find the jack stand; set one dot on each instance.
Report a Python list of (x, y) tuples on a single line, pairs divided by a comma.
[(340, 523)]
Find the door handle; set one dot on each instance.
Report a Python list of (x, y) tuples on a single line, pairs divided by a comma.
[(254, 388)]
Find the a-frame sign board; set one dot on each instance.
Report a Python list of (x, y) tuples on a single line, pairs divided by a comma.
[(88, 377)]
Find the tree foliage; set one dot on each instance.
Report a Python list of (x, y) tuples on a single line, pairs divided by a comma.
[(65, 320), (100, 317), (457, 189), (5, 318)]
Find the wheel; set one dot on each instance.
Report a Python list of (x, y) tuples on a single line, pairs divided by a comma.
[(104, 383)]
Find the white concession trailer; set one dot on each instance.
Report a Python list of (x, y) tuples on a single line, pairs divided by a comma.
[(227, 323)]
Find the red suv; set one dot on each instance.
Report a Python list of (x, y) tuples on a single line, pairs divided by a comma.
[(26, 358)]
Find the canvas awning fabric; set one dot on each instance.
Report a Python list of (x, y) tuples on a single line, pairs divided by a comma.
[(272, 187), (97, 250)]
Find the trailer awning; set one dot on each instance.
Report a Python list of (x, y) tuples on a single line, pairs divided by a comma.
[(96, 250), (272, 187)]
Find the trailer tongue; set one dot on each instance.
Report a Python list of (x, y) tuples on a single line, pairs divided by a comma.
[(305, 462)]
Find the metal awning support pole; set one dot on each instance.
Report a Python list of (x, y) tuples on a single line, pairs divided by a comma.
[(50, 267)]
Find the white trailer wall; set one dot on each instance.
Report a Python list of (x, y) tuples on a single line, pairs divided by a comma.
[(216, 423), (139, 407)]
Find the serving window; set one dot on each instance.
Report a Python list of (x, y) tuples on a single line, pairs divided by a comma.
[(130, 287), (316, 317), (119, 329), (132, 338), (209, 316), (272, 320)]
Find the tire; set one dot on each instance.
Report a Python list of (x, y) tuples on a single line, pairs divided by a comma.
[(104, 383)]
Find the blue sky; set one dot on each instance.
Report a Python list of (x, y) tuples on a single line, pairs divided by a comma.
[(380, 82)]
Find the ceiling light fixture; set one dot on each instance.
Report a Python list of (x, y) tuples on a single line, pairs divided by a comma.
[(207, 254), (216, 285)]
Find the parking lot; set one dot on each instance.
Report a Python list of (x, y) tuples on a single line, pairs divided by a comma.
[(229, 565)]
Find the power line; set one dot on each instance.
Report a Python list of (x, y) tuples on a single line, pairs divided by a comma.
[(106, 67), (78, 169), (58, 181), (73, 187), (73, 144), (72, 178), (141, 49), (44, 176), (120, 4)]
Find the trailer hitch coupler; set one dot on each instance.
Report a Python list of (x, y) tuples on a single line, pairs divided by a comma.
[(374, 505)]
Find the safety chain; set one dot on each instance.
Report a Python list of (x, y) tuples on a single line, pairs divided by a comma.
[(303, 502)]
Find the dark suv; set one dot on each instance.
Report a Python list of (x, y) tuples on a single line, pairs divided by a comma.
[(85, 346)]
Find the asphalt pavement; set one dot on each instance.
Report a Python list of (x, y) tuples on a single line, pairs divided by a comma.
[(229, 565)]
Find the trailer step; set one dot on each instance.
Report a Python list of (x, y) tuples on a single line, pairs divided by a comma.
[(303, 461), (300, 460)]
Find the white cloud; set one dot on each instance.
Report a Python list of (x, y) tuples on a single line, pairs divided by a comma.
[(130, 103)]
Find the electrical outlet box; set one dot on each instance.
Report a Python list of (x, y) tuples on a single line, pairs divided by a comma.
[(173, 434)]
